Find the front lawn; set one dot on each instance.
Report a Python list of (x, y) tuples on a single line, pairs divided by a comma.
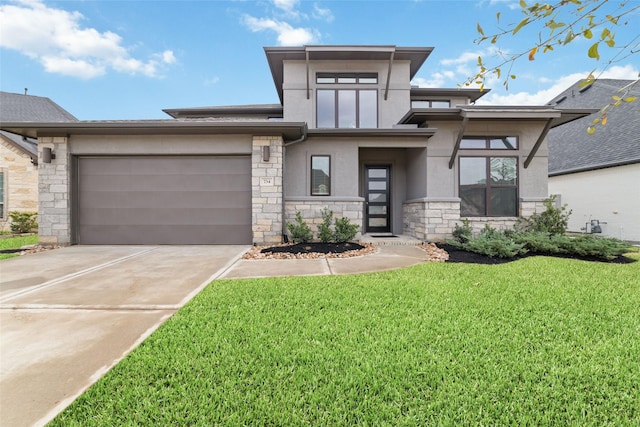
[(538, 341), (16, 243)]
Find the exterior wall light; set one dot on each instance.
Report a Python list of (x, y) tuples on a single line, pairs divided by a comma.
[(47, 155), (265, 153)]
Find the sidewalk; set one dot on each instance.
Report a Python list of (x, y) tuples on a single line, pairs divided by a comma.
[(386, 257)]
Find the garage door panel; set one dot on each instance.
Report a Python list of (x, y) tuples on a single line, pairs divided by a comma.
[(143, 183), (194, 199), (178, 235), (164, 200)]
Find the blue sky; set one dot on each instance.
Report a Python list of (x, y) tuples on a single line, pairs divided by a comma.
[(104, 60)]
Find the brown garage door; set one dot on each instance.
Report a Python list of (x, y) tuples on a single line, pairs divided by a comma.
[(176, 200)]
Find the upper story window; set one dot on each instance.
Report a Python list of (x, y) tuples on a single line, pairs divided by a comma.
[(489, 143), (354, 106), (347, 78), (429, 103)]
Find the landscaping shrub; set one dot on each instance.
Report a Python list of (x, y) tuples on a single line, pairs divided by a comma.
[(324, 230), (491, 243), (541, 241), (594, 246), (300, 231), (463, 233), (553, 220), (345, 231), (23, 222)]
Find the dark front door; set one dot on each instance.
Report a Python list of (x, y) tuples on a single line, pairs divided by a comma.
[(378, 199)]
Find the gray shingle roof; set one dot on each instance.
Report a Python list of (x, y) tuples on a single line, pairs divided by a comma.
[(571, 149), (27, 145), (15, 107)]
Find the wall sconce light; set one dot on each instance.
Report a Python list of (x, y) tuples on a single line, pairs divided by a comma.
[(47, 155), (265, 153)]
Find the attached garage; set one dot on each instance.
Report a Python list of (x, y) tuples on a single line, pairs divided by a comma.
[(162, 200)]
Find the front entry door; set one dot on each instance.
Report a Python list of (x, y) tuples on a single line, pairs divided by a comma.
[(377, 199)]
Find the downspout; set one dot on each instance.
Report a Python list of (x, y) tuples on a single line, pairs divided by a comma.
[(285, 238)]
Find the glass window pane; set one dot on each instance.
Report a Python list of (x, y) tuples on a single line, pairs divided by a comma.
[(347, 79), (440, 104), (347, 109), (320, 175), (504, 171), (503, 202), (420, 104), (504, 143), (326, 108), (377, 185), (473, 171), (368, 109), (378, 197), (377, 210), (377, 222), (368, 80), (474, 143), (320, 78), (377, 173), (472, 201)]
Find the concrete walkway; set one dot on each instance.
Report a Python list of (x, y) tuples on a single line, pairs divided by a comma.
[(68, 315)]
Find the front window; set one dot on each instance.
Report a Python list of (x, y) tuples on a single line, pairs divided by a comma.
[(489, 186), (489, 143), (347, 106), (320, 175), (429, 103)]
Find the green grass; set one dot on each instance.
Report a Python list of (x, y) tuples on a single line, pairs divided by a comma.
[(540, 341), (16, 243)]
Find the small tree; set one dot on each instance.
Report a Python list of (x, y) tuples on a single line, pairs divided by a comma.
[(300, 231), (324, 230), (553, 220), (345, 230), (23, 222)]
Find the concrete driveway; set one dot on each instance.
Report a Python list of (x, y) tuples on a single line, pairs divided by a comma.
[(69, 315)]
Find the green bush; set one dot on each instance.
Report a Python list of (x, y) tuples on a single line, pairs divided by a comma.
[(300, 231), (23, 222), (494, 243), (463, 233), (541, 241), (600, 247), (345, 230), (553, 220), (324, 230)]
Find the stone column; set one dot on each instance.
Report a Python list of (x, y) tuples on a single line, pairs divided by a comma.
[(54, 210), (267, 189)]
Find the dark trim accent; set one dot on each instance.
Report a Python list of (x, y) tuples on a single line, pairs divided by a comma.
[(388, 203), (386, 89), (456, 147), (487, 186), (536, 146)]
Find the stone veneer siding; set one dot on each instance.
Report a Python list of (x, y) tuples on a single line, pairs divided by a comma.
[(434, 220), (266, 190), (54, 212), (311, 210), (20, 181)]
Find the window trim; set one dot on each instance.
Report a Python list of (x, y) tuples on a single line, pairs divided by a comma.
[(487, 140), (311, 180), (488, 186), (431, 101), (3, 196), (335, 78)]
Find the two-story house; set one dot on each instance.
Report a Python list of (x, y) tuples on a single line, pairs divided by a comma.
[(350, 134)]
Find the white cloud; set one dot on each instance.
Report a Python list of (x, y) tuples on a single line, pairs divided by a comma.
[(286, 5), (543, 96), (322, 14), (287, 35), (57, 39)]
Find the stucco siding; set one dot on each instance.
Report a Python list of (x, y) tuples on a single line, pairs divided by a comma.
[(610, 195)]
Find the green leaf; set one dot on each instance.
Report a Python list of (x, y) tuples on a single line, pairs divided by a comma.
[(591, 130), (612, 19), (587, 34), (498, 17), (630, 99), (494, 39), (610, 42), (523, 4), (605, 33), (522, 23), (569, 38), (479, 28), (593, 51)]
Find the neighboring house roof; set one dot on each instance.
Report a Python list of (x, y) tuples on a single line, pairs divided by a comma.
[(29, 146), (15, 107), (572, 150)]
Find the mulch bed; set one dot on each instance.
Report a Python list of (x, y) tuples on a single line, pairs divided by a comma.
[(459, 255)]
